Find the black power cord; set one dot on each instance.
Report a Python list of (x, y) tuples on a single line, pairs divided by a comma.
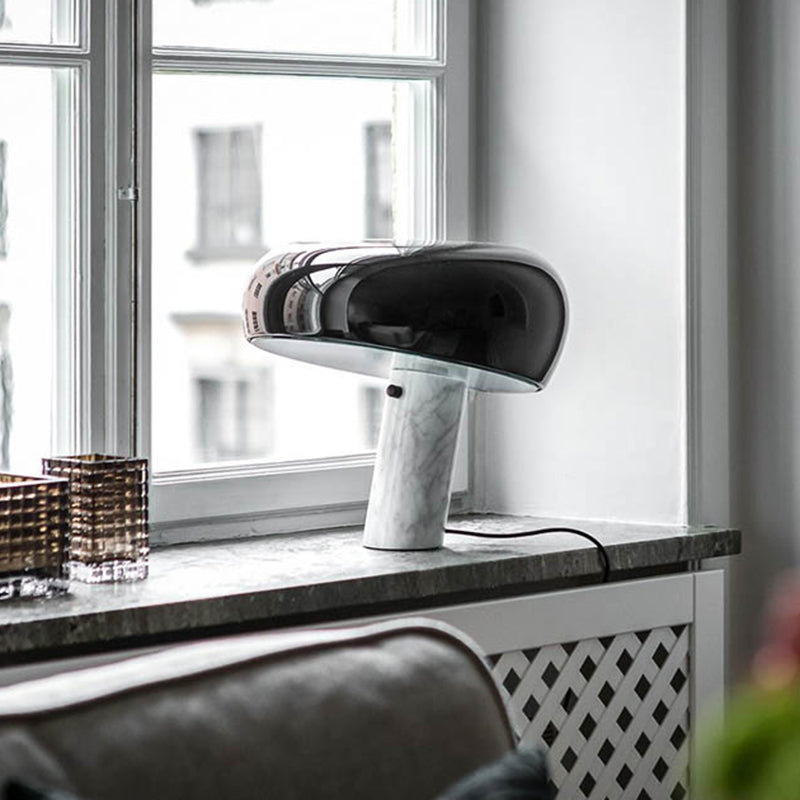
[(601, 551)]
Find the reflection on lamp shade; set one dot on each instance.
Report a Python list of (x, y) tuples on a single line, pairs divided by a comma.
[(494, 316)]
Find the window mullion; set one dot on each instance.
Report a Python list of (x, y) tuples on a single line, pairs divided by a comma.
[(127, 388), (79, 273), (120, 233), (91, 323), (141, 284)]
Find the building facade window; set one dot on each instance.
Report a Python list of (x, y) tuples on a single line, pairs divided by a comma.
[(3, 200), (378, 206), (229, 192), (233, 414), (371, 400)]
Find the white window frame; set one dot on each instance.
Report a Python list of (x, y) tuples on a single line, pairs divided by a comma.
[(239, 500), (102, 387)]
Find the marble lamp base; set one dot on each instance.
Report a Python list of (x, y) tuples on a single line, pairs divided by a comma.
[(410, 494)]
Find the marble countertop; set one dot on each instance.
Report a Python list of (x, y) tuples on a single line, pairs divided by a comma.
[(294, 578)]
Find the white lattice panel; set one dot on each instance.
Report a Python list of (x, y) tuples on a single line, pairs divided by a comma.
[(613, 711)]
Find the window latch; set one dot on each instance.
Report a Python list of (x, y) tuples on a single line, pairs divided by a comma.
[(130, 193)]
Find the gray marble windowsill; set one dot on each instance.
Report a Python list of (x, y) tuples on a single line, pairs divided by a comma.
[(279, 580)]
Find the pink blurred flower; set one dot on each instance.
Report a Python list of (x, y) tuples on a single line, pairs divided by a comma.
[(777, 663)]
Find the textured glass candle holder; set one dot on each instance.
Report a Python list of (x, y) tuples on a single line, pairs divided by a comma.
[(34, 533), (109, 530)]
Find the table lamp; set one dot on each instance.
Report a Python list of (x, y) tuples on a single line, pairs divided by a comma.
[(435, 320)]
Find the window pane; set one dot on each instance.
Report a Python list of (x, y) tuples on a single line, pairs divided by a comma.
[(228, 188), (368, 27), (37, 21), (29, 233), (242, 164)]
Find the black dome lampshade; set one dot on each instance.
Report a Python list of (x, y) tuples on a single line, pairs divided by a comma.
[(435, 320)]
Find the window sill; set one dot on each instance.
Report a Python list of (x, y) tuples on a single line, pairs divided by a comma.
[(222, 587)]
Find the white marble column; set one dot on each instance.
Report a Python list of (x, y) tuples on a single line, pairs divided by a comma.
[(410, 493)]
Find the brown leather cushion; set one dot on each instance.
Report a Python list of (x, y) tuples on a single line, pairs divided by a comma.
[(389, 711)]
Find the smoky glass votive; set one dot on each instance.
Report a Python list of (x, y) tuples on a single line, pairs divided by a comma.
[(34, 533), (108, 516)]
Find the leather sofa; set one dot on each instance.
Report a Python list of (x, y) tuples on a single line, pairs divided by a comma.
[(395, 710)]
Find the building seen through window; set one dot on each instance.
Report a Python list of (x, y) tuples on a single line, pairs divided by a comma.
[(234, 414), (379, 213), (372, 399), (229, 191), (6, 374), (246, 161), (234, 402), (35, 215), (6, 388), (229, 173), (3, 199)]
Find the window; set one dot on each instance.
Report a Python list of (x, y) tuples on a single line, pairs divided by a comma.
[(372, 398), (42, 23), (396, 29), (3, 201), (233, 418), (229, 192), (6, 389), (378, 143), (313, 189), (223, 129), (228, 401), (44, 201)]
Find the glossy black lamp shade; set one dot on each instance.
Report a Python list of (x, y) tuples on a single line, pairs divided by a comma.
[(497, 315)]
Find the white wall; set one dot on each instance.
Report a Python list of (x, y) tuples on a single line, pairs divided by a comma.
[(582, 145)]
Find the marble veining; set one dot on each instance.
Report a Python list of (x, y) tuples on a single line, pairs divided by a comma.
[(410, 492), (278, 579)]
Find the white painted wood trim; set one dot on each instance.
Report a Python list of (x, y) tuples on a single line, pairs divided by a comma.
[(193, 60), (707, 652), (198, 497), (51, 55), (557, 617)]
